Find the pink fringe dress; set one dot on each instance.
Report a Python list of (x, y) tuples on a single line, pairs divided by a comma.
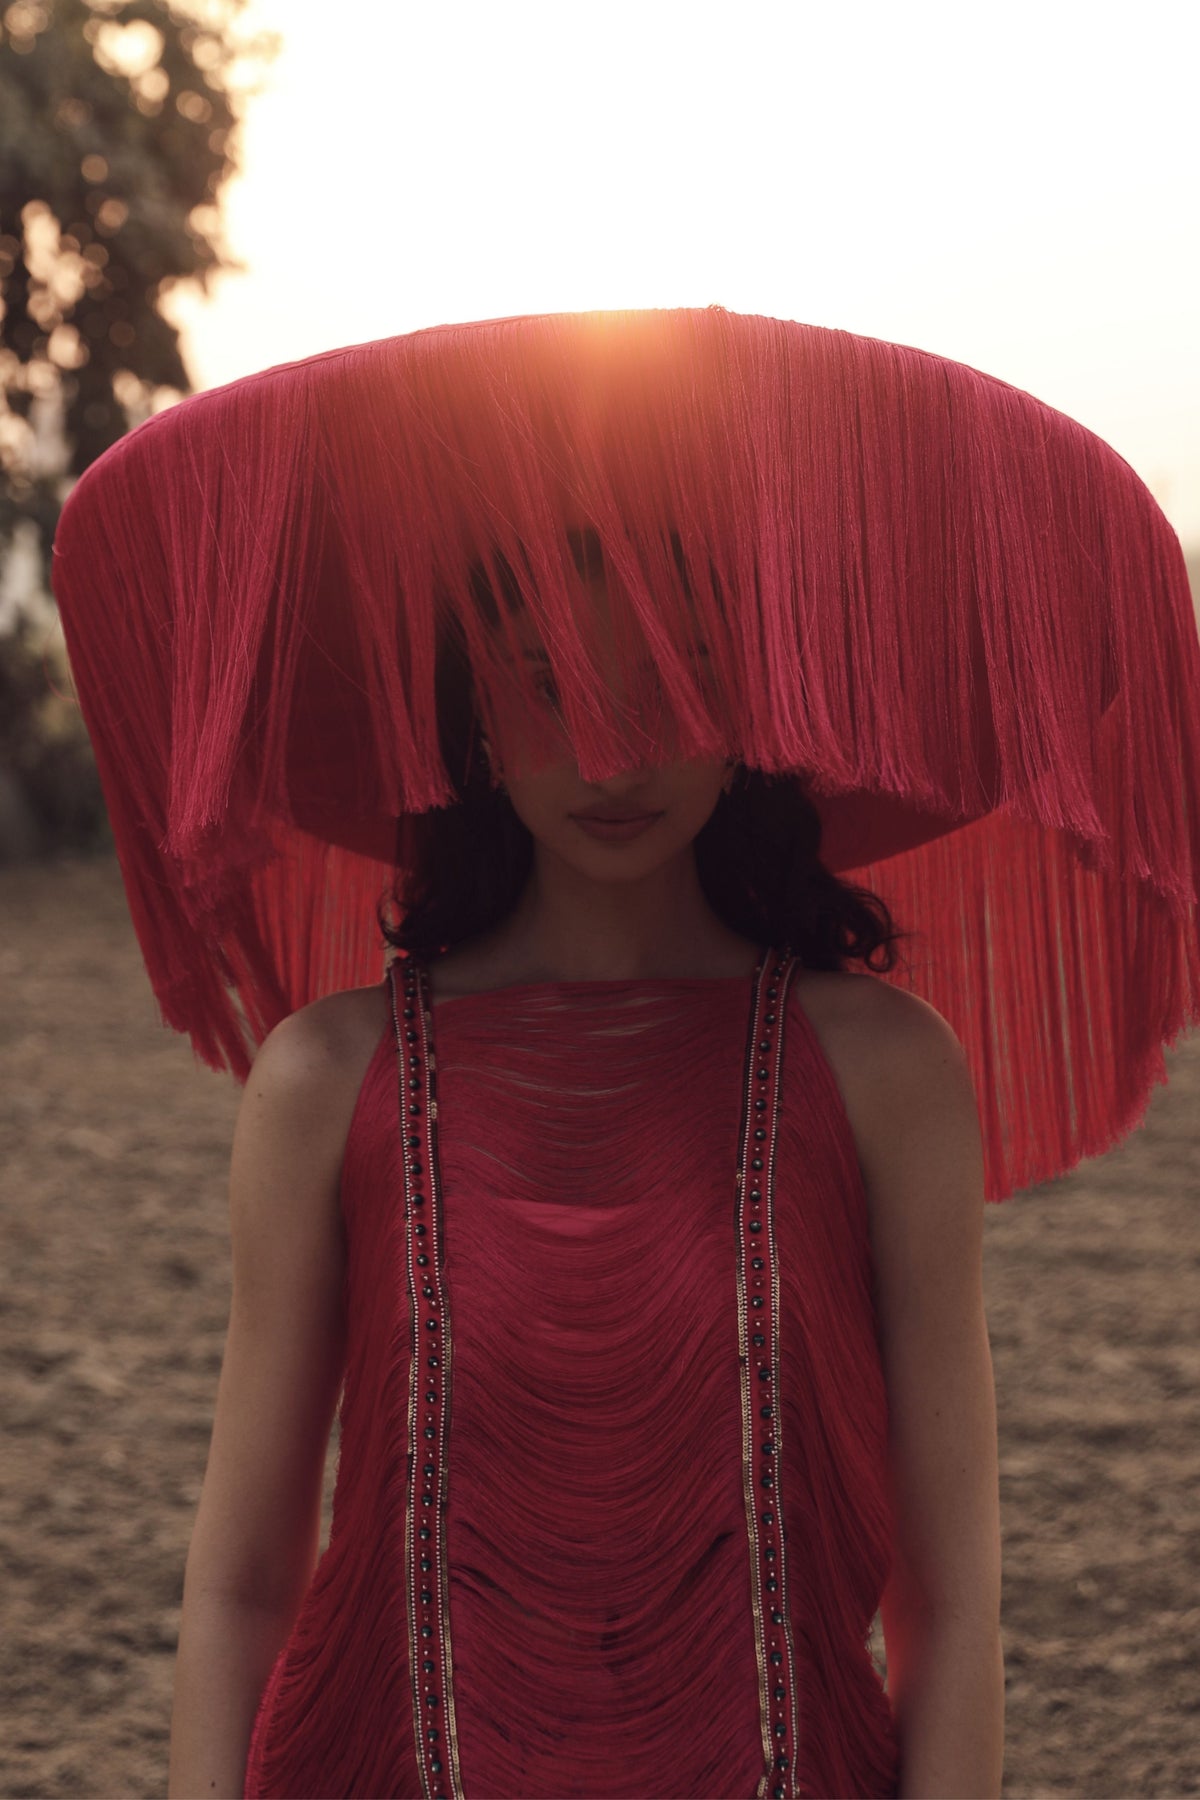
[(621, 1526)]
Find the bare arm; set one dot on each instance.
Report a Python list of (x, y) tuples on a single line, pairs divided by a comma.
[(257, 1532), (922, 1160)]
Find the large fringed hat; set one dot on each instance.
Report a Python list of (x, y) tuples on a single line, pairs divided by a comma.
[(960, 616)]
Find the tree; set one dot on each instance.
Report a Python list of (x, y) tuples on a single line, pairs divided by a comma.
[(117, 120), (116, 127)]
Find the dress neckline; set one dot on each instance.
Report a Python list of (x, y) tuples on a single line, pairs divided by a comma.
[(597, 985)]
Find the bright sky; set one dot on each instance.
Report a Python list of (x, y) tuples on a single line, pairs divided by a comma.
[(1013, 186)]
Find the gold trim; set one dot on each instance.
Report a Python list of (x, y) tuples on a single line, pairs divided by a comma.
[(780, 1006), (410, 1568), (434, 1175), (775, 971), (744, 1140), (432, 1786)]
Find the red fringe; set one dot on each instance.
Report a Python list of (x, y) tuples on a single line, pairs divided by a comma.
[(937, 597), (602, 1632)]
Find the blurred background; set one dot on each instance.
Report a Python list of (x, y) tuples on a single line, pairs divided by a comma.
[(194, 189)]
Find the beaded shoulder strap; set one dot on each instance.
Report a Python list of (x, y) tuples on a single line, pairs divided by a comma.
[(427, 1587), (431, 1662), (758, 1336)]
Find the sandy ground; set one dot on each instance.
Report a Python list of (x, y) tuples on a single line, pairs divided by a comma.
[(113, 1310)]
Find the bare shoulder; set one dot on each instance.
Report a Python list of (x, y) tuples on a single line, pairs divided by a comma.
[(863, 1022), (899, 1064), (847, 999), (292, 1127), (317, 1056)]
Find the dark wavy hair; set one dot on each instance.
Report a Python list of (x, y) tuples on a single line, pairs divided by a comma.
[(461, 868)]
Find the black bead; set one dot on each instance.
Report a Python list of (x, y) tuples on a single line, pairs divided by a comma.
[(756, 1262), (755, 1225), (756, 1300), (767, 1518), (776, 1619), (759, 1133), (756, 1162), (433, 1699), (776, 1655), (427, 1631), (756, 1193), (431, 1324), (769, 1019), (764, 1074), (764, 1374), (758, 1340), (765, 1045)]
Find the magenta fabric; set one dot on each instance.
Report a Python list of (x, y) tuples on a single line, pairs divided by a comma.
[(955, 616), (600, 1594)]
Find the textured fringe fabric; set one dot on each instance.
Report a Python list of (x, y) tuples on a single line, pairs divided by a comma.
[(600, 1604), (939, 599)]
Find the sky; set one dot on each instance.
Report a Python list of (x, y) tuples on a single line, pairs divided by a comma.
[(1012, 186)]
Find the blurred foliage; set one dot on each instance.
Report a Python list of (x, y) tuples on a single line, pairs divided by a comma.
[(50, 795), (117, 133), (116, 121)]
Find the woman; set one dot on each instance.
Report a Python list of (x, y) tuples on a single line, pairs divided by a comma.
[(639, 1230), (596, 1568)]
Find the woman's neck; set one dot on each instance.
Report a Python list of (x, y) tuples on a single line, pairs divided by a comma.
[(564, 928)]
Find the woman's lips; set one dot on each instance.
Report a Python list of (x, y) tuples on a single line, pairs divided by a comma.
[(616, 830)]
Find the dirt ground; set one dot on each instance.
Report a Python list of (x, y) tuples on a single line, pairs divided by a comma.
[(114, 1304)]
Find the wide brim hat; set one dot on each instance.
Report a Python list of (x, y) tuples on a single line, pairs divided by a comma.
[(958, 615)]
